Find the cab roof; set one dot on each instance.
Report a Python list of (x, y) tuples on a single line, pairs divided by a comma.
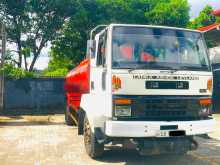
[(154, 26)]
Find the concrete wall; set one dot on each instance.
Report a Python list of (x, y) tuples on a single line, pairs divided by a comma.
[(46, 95), (34, 96)]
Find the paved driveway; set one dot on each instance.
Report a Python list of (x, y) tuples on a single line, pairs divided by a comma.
[(47, 140)]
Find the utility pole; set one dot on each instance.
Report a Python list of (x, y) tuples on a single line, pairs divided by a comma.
[(2, 56)]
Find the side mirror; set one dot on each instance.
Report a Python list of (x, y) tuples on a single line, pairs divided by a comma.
[(91, 47)]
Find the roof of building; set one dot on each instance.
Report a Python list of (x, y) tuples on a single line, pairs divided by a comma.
[(216, 12), (209, 27)]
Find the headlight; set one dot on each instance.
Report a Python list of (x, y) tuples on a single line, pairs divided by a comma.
[(205, 111), (122, 107), (206, 105), (122, 110)]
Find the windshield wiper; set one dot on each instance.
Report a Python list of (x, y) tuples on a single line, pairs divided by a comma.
[(134, 68), (169, 68), (154, 66)]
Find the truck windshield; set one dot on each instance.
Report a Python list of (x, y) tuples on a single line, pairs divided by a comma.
[(158, 48)]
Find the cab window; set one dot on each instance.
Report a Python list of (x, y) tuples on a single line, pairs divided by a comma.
[(101, 55)]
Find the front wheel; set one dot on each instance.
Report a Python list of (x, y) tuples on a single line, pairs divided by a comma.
[(93, 148)]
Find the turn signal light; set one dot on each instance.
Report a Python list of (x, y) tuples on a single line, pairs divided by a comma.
[(209, 85), (205, 102), (122, 101), (116, 82)]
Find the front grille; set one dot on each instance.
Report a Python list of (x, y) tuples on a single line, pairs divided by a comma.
[(164, 108), (167, 85)]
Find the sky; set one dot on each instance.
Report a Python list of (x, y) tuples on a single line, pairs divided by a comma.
[(195, 7), (198, 5), (43, 60)]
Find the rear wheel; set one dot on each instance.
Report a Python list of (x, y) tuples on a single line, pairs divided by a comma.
[(93, 148), (68, 119)]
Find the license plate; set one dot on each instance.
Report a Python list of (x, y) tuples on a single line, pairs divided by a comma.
[(163, 134)]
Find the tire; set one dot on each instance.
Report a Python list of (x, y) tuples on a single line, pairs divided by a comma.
[(81, 115), (93, 148), (69, 121)]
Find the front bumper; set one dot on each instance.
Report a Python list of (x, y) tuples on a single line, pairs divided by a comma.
[(136, 129)]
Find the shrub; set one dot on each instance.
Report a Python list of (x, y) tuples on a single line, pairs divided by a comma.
[(11, 72)]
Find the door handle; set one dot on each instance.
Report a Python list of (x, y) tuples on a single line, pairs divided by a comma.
[(103, 80), (92, 85)]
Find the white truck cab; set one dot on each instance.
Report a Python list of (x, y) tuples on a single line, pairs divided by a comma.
[(150, 85)]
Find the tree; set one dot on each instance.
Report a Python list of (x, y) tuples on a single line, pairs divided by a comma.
[(175, 13), (160, 12), (31, 24), (58, 67), (72, 41), (205, 18), (12, 72)]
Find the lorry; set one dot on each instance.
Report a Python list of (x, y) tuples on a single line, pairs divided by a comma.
[(149, 86)]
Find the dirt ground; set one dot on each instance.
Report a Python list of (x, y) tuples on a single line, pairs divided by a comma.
[(46, 140)]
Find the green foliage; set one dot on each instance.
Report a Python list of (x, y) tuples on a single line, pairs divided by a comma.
[(12, 72), (59, 72), (71, 43), (218, 19), (31, 24), (58, 66), (205, 18), (175, 13), (160, 12)]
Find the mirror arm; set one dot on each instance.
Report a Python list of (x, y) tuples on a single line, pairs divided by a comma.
[(93, 30)]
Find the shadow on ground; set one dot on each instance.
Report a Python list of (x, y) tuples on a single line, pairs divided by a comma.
[(132, 157), (28, 123), (208, 153), (31, 120)]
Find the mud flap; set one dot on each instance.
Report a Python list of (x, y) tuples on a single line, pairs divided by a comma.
[(99, 135)]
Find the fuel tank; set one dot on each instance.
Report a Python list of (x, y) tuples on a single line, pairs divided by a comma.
[(77, 80), (77, 83)]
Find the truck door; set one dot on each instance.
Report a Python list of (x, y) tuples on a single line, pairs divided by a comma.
[(99, 69)]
